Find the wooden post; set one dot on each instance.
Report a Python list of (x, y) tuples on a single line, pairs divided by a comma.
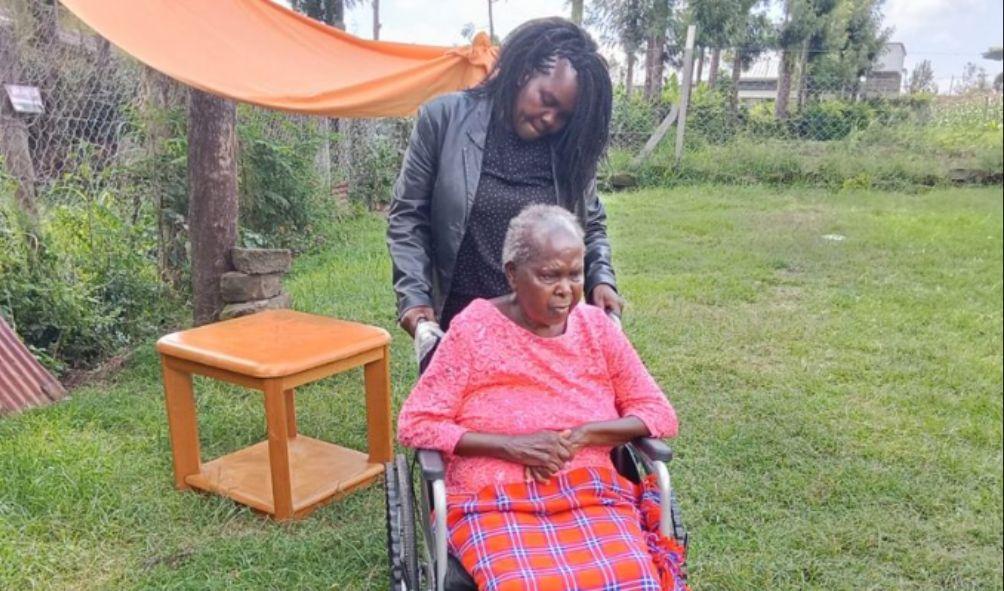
[(688, 69), (14, 148), (656, 136), (212, 198)]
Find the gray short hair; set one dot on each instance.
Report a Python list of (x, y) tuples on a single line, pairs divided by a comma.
[(536, 220)]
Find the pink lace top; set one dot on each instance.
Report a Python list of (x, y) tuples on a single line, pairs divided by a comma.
[(491, 375)]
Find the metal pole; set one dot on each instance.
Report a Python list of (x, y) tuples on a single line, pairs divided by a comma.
[(688, 70), (491, 22)]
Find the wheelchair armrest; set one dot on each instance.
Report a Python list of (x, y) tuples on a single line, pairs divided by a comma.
[(655, 449), (431, 462)]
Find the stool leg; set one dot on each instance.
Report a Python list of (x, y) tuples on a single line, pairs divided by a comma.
[(378, 414), (181, 422), (278, 449), (290, 413)]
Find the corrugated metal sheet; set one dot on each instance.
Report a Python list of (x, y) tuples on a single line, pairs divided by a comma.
[(23, 380)]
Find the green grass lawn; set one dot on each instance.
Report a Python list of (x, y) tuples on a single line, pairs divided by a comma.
[(835, 360)]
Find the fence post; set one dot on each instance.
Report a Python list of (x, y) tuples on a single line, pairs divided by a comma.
[(14, 136), (688, 70)]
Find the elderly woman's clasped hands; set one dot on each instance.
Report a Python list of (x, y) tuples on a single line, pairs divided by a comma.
[(545, 453)]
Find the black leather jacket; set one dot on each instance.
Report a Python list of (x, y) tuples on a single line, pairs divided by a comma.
[(434, 194)]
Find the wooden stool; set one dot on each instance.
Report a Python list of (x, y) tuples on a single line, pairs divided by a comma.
[(275, 351)]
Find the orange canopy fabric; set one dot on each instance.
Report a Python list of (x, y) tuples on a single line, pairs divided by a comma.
[(258, 52)]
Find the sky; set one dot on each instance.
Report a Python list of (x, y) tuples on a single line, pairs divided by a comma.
[(949, 33)]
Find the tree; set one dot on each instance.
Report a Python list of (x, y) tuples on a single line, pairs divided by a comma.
[(331, 12), (658, 17), (802, 20), (922, 79), (974, 79), (753, 35), (848, 44), (491, 21), (996, 54), (212, 198), (633, 24), (712, 18), (577, 11), (467, 31), (621, 22)]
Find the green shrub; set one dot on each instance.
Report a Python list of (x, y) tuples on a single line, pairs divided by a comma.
[(708, 116), (280, 190), (830, 120), (374, 169), (81, 282)]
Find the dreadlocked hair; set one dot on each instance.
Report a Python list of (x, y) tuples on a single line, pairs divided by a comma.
[(533, 48)]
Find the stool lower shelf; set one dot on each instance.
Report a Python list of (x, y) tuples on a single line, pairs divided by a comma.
[(320, 472)]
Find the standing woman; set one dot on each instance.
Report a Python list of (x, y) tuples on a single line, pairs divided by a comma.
[(532, 132)]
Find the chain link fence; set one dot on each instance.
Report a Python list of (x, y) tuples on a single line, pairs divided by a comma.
[(869, 132), (88, 91), (104, 111)]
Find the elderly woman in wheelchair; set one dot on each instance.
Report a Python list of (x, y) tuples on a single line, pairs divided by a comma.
[(531, 398)]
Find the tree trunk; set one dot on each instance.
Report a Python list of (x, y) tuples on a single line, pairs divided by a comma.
[(783, 86), (491, 22), (803, 75), (577, 12), (14, 149), (737, 69), (784, 72), (700, 66), (336, 13), (716, 56), (653, 66), (629, 78), (376, 19), (212, 198)]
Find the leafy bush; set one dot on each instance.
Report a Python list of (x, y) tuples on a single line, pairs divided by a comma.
[(634, 118), (81, 282), (708, 116), (280, 189), (375, 164), (830, 120)]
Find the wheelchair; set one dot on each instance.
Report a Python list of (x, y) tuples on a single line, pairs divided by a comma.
[(427, 566)]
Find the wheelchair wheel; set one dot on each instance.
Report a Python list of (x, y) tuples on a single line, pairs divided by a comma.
[(679, 531), (401, 539)]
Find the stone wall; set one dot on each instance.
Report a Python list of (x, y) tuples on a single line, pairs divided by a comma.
[(256, 284)]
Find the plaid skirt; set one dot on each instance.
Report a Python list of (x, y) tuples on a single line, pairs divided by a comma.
[(586, 529)]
